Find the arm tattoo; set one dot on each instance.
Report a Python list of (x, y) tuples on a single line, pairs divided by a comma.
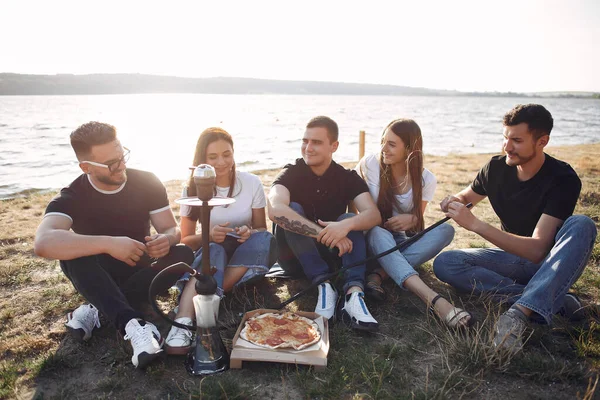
[(295, 226)]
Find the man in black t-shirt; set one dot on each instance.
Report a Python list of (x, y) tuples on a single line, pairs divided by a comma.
[(308, 202), (542, 248), (99, 229)]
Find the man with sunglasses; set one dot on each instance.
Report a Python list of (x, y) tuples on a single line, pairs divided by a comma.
[(99, 229)]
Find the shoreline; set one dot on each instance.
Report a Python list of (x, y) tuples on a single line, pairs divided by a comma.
[(270, 173)]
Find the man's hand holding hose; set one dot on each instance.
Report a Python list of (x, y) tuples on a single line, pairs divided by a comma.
[(459, 212)]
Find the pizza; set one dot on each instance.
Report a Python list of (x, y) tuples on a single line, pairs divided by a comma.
[(280, 331)]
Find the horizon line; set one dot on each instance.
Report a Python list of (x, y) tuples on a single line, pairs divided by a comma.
[(591, 92)]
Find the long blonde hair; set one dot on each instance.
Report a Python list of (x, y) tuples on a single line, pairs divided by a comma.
[(410, 133)]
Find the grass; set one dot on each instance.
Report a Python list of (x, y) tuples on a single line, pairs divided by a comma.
[(412, 356)]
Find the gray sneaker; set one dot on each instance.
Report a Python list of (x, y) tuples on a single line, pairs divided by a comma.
[(509, 330), (572, 308)]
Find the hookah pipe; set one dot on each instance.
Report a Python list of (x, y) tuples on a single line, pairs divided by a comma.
[(399, 246), (209, 355), (331, 275), (204, 179)]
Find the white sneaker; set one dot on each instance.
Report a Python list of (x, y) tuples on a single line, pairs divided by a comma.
[(179, 340), (145, 340), (326, 300), (82, 322), (356, 314)]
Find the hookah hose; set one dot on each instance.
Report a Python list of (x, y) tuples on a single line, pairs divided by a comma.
[(180, 268), (399, 246), (156, 285)]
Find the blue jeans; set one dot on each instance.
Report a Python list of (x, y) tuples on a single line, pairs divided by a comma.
[(538, 287), (310, 253), (400, 265), (256, 253)]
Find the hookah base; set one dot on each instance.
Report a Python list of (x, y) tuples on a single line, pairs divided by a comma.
[(209, 355)]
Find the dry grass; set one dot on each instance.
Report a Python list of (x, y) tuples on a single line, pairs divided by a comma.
[(411, 357)]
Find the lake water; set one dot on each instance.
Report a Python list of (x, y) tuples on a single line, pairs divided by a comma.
[(161, 129)]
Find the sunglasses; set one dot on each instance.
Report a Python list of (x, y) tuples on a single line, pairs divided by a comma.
[(112, 165)]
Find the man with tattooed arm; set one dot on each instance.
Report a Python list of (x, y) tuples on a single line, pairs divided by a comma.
[(308, 202)]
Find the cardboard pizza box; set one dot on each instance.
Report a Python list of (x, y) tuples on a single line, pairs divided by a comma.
[(316, 357)]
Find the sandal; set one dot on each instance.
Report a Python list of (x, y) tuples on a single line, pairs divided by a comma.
[(373, 290), (453, 318)]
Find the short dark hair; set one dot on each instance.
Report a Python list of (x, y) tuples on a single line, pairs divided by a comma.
[(327, 123), (91, 134), (538, 119)]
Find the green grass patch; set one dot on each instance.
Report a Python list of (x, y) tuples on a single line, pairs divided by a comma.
[(59, 300), (587, 341), (9, 372), (595, 256), (6, 316), (478, 245), (539, 367), (110, 384), (588, 281), (49, 364), (224, 387)]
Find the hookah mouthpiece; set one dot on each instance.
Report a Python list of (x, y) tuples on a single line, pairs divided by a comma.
[(204, 178)]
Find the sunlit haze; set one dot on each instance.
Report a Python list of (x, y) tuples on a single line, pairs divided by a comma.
[(520, 46)]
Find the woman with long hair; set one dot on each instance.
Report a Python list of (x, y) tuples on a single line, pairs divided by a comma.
[(240, 246), (402, 187)]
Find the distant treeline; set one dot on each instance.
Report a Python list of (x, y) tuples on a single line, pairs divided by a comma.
[(68, 84)]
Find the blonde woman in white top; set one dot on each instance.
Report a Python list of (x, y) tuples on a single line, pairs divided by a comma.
[(402, 188)]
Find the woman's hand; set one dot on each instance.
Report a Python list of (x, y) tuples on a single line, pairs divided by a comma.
[(243, 232), (399, 223), (219, 232)]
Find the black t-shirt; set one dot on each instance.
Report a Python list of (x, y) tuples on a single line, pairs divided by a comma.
[(519, 205), (323, 197), (125, 212)]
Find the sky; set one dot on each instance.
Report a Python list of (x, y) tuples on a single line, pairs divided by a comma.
[(495, 45)]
